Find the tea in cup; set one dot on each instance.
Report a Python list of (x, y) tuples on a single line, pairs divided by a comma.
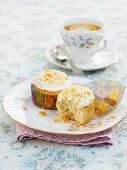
[(82, 27)]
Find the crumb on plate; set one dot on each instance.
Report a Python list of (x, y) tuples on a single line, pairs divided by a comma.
[(42, 112), (56, 119)]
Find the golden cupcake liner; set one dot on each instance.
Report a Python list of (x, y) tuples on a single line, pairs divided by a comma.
[(108, 94), (43, 100)]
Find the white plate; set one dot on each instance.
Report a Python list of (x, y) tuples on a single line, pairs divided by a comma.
[(100, 60), (18, 105)]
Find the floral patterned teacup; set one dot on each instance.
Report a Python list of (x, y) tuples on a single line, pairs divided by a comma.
[(82, 44)]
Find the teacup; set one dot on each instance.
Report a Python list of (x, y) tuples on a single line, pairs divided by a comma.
[(83, 38)]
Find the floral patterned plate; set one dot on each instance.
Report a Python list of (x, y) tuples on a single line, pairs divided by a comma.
[(19, 106), (100, 60)]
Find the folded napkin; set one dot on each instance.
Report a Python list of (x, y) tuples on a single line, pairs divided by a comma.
[(25, 133)]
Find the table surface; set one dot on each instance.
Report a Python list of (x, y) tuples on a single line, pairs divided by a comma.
[(27, 28)]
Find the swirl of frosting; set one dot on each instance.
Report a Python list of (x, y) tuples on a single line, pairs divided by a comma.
[(52, 80), (79, 95)]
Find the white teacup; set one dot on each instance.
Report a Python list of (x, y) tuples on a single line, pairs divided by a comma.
[(83, 42)]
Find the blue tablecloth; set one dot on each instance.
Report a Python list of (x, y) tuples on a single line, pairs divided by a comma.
[(27, 28)]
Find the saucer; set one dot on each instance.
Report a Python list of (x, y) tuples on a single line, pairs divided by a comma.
[(100, 60)]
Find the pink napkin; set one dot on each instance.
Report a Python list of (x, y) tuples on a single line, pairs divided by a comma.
[(105, 137)]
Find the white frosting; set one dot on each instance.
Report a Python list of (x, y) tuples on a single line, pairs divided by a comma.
[(52, 80), (80, 96)]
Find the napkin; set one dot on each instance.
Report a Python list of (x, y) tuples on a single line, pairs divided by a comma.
[(25, 133)]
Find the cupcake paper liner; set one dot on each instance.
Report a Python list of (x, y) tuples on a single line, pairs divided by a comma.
[(41, 100), (108, 94)]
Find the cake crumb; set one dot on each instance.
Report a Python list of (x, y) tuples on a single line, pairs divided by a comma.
[(42, 112), (56, 119)]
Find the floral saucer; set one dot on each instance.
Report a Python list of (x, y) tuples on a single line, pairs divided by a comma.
[(100, 60)]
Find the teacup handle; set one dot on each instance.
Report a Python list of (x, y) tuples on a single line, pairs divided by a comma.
[(104, 46)]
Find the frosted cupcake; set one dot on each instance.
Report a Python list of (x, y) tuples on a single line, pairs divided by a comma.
[(76, 103), (46, 87)]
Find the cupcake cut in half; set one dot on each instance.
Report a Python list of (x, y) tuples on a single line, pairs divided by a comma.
[(46, 87), (76, 103)]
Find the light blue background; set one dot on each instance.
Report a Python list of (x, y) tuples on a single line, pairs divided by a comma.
[(27, 28)]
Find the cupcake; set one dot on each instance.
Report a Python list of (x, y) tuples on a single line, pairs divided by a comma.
[(46, 87), (76, 103)]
